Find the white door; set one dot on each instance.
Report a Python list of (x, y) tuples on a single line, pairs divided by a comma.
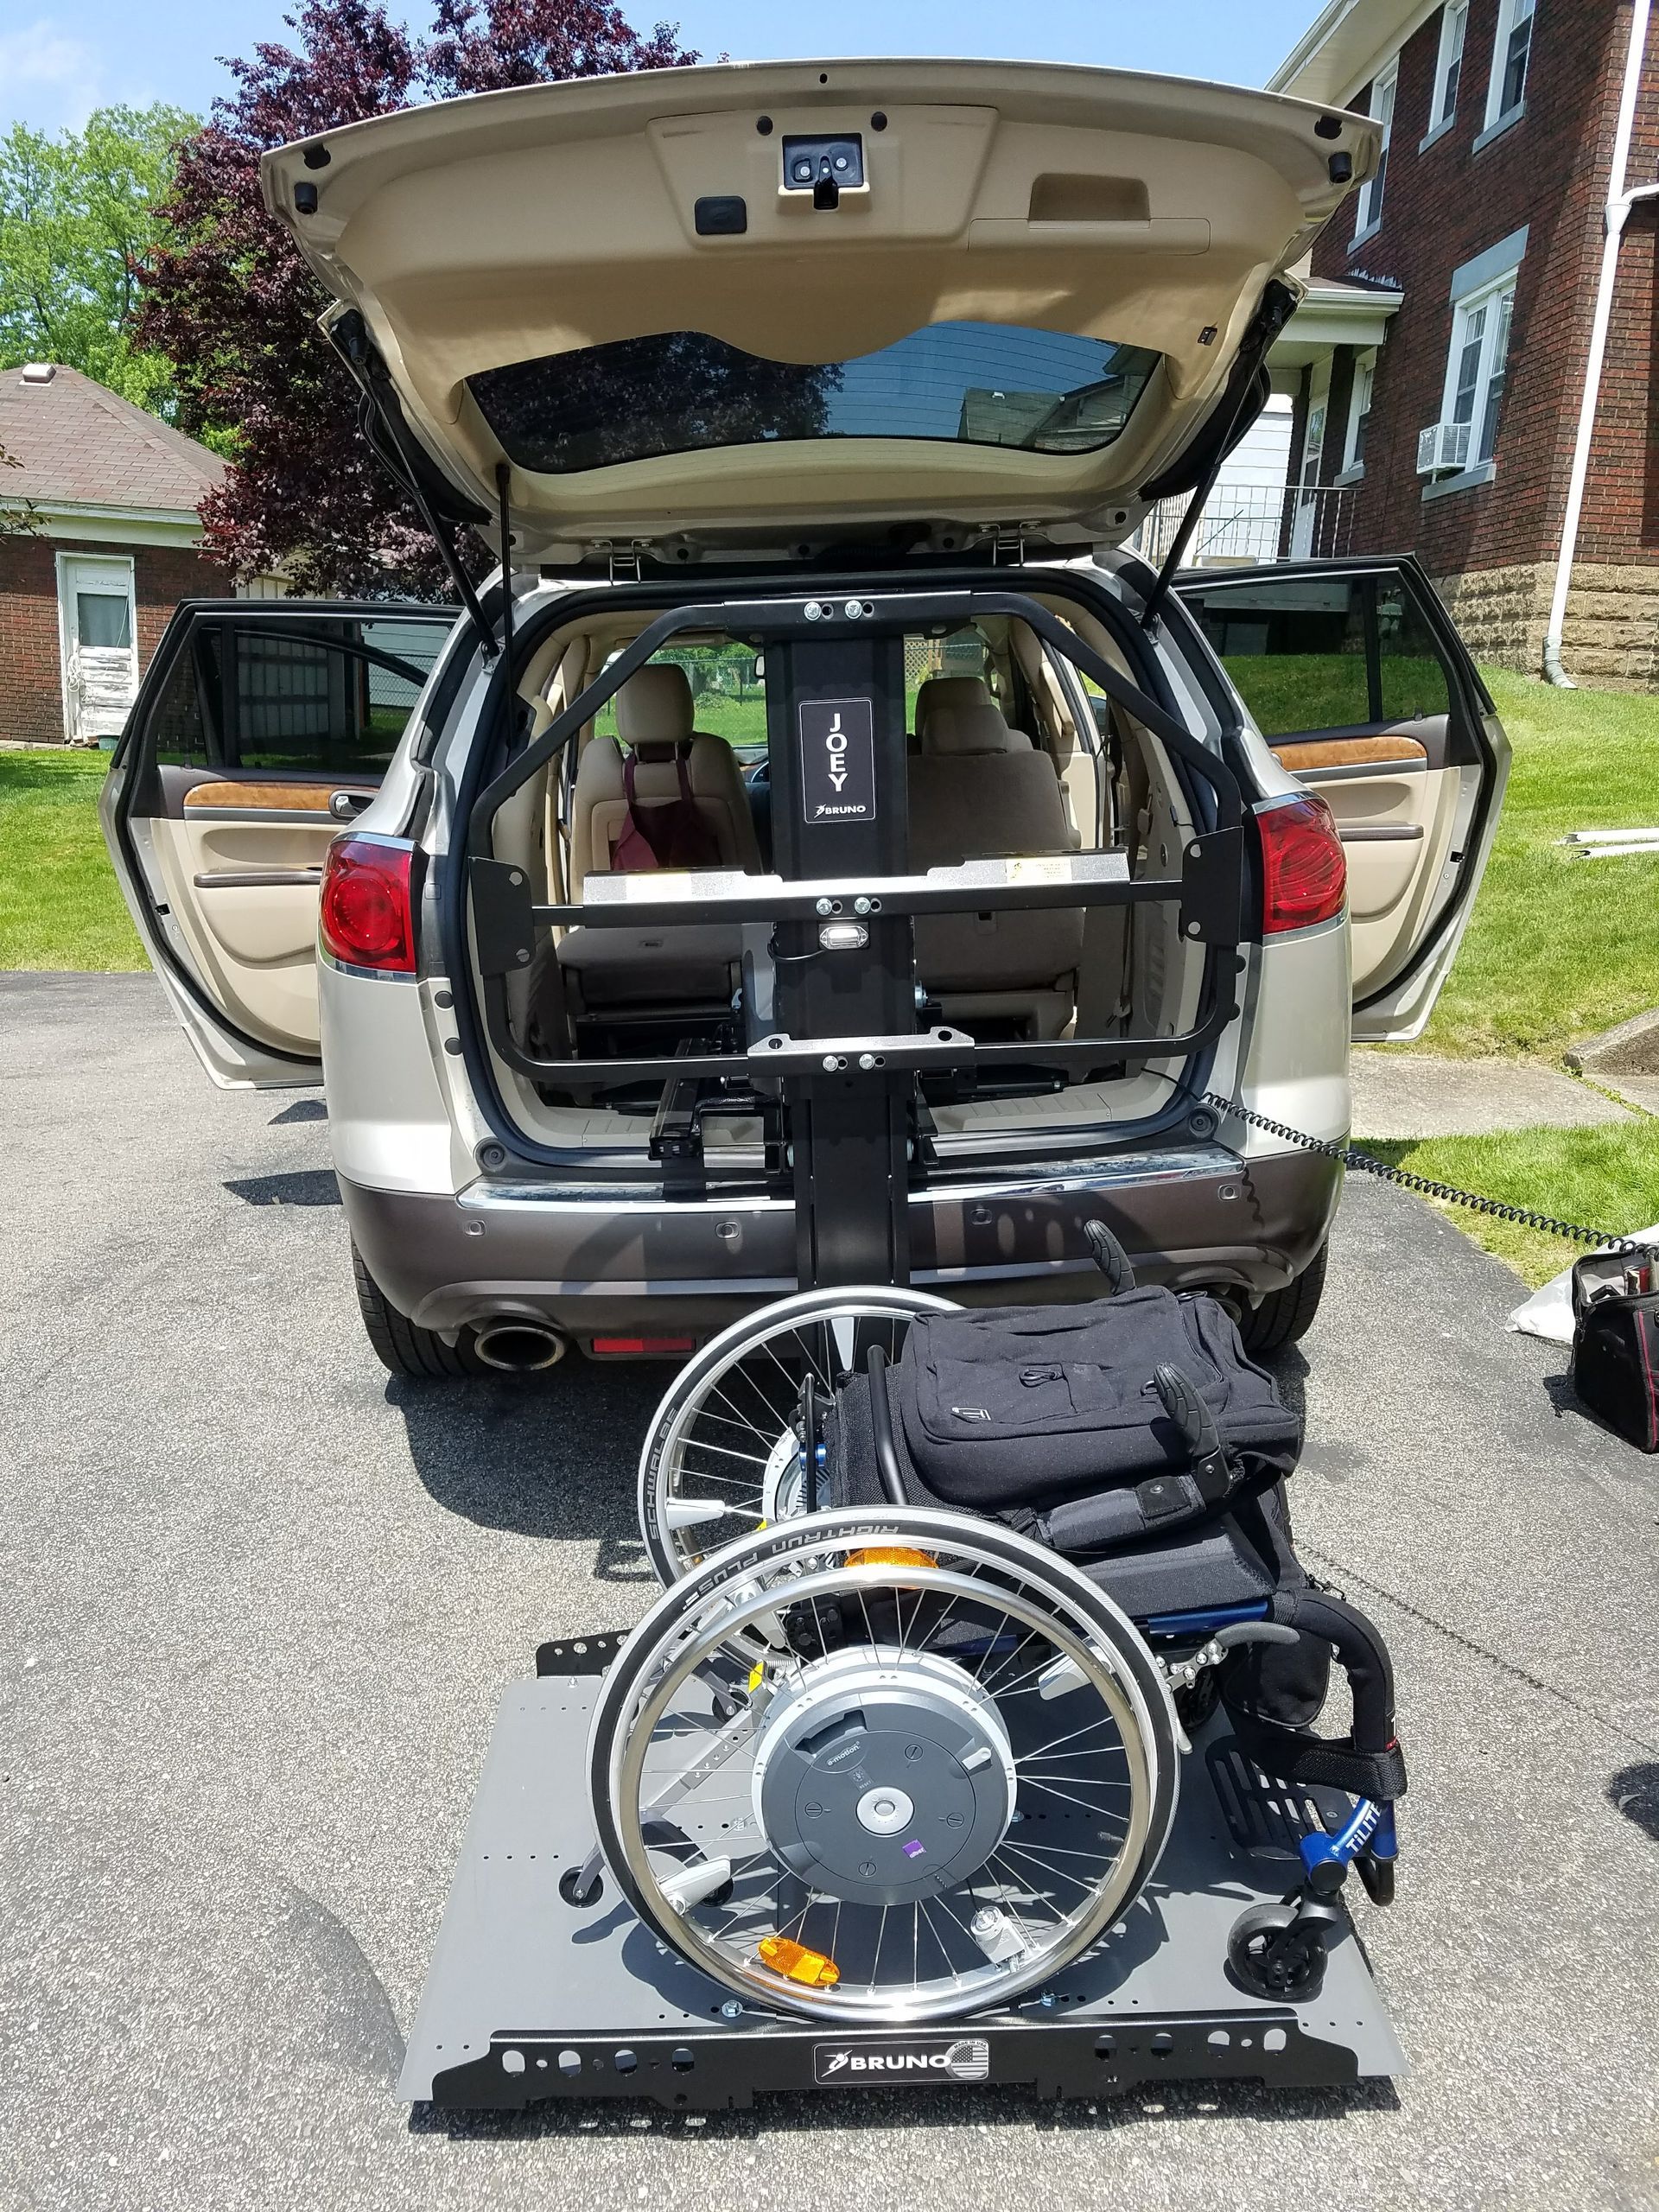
[(1307, 484), (97, 628)]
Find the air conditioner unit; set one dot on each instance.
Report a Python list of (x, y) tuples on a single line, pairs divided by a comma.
[(1441, 446)]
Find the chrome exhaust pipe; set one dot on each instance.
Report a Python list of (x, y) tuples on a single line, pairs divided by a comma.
[(517, 1346)]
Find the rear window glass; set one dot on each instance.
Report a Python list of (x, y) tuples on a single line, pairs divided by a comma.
[(970, 383)]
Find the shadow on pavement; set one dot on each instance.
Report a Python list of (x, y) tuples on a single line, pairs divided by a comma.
[(301, 1186), (554, 1456), (303, 1109), (1141, 2104), (1289, 1371), (1634, 1791)]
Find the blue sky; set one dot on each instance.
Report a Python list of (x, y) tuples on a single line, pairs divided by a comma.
[(57, 61)]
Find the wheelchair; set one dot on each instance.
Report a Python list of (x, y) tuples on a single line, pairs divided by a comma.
[(903, 1735)]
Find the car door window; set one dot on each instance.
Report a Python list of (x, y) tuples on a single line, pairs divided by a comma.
[(1295, 649), (1410, 675), (288, 702)]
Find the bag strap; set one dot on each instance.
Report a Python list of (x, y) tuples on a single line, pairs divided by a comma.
[(666, 815)]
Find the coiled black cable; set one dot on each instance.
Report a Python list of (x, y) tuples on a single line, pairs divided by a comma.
[(1448, 1193)]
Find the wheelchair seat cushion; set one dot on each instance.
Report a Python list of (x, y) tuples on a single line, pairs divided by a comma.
[(1029, 1404)]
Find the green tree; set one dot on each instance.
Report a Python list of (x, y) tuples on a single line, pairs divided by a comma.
[(76, 216)]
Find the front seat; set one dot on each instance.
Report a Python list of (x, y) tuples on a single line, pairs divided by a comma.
[(670, 969), (939, 693), (979, 788)]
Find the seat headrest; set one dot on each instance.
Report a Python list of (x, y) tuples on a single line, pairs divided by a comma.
[(940, 691), (654, 710), (974, 727)]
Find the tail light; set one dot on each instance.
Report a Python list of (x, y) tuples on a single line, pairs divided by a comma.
[(367, 915), (1304, 872)]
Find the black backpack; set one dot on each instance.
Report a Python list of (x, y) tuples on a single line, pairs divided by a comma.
[(1021, 1406)]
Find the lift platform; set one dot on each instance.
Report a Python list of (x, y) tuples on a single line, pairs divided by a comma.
[(531, 1998)]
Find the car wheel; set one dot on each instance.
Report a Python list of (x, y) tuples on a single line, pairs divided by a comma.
[(1285, 1315), (400, 1346)]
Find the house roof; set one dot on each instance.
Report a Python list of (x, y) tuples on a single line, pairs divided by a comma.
[(1333, 312), (1339, 51), (81, 445)]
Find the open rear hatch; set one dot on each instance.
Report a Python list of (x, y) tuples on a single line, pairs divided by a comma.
[(767, 305)]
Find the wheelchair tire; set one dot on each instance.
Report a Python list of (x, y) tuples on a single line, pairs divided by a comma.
[(887, 1828), (732, 1405)]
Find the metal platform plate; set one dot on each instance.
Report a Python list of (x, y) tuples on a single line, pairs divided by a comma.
[(529, 1997)]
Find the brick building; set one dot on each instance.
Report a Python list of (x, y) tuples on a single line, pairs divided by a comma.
[(83, 600), (1455, 435)]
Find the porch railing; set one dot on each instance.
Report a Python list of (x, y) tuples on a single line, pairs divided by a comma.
[(1249, 525)]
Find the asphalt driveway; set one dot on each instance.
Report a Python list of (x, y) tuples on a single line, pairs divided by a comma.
[(256, 1604)]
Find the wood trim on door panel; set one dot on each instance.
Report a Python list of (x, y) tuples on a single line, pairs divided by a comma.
[(269, 798), (1350, 753)]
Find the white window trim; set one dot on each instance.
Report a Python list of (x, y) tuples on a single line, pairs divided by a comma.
[(1508, 11), (1440, 117), (1369, 212), (64, 562), (1364, 367), (1489, 295)]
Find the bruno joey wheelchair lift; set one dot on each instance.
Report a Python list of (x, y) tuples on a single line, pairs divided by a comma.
[(891, 1792)]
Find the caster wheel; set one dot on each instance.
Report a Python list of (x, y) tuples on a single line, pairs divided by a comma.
[(1275, 1951), (1378, 1875)]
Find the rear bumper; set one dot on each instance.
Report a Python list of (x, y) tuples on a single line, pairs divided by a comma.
[(605, 1263)]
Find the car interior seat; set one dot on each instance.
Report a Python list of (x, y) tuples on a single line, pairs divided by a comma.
[(658, 967), (979, 788)]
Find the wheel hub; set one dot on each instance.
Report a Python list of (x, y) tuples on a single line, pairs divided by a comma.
[(783, 1486), (883, 1777)]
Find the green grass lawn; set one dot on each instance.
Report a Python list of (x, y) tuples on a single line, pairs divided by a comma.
[(59, 904), (1605, 1178), (1558, 947)]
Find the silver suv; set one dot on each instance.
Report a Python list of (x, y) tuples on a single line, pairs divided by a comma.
[(829, 762)]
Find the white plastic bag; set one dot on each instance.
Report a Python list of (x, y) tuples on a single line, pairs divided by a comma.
[(1548, 1311)]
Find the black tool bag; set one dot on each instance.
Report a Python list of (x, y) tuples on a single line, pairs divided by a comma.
[(1616, 1348), (1038, 1405)]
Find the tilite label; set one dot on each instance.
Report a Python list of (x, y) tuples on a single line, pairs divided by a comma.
[(838, 759), (953, 2058)]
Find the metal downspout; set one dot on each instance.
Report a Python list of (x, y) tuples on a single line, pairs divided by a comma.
[(1619, 203)]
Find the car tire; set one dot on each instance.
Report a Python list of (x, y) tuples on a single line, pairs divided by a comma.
[(402, 1347), (1285, 1315)]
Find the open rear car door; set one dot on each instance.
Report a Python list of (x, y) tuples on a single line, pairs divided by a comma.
[(260, 729), (1354, 674)]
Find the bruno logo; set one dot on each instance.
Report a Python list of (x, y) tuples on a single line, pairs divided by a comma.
[(953, 2058), (838, 760)]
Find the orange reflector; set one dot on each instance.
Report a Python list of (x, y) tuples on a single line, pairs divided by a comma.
[(796, 1963), (890, 1556)]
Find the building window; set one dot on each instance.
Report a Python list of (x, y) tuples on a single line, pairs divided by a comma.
[(1359, 412), (1381, 107), (1475, 372), (1511, 52), (1448, 70)]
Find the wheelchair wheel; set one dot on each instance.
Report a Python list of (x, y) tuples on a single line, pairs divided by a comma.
[(722, 1455), (883, 1764)]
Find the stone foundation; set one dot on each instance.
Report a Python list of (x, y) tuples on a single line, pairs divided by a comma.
[(1610, 638)]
